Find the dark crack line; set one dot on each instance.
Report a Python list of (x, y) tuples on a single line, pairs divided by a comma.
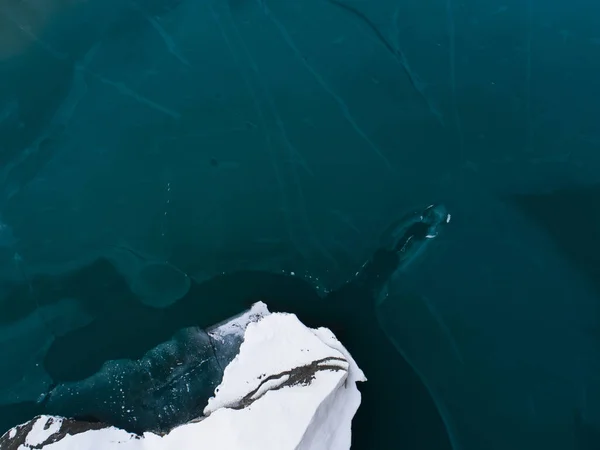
[(214, 350), (397, 53), (302, 375)]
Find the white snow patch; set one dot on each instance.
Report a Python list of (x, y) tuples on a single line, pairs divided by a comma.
[(39, 433), (314, 414), (277, 343)]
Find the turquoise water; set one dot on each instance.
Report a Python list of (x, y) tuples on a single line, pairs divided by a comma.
[(145, 141)]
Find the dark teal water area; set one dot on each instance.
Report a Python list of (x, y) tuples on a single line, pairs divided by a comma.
[(165, 163)]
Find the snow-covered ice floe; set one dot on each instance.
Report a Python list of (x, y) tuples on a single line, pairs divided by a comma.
[(289, 387)]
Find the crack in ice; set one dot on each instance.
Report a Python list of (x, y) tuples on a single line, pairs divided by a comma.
[(168, 40), (452, 55), (396, 52), (124, 90), (340, 102), (291, 150)]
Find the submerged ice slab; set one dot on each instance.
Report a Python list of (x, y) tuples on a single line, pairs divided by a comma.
[(168, 386), (289, 387)]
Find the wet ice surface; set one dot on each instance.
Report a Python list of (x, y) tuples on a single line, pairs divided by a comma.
[(170, 385), (214, 137)]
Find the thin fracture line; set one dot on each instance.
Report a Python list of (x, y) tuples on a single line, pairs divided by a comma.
[(452, 55), (290, 149), (255, 101), (168, 41), (529, 137), (259, 110), (395, 51), (341, 104), (128, 92)]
